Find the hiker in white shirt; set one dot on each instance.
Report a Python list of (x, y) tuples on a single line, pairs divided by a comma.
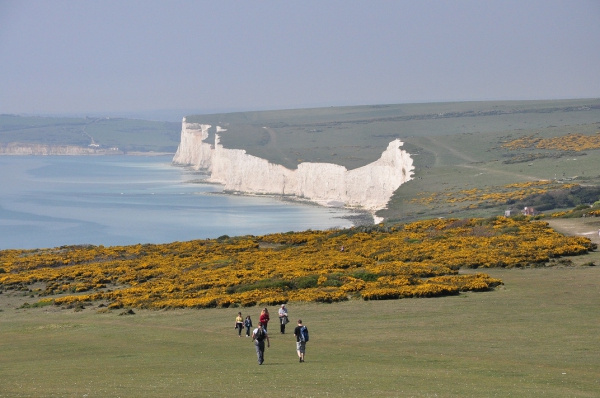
[(283, 318)]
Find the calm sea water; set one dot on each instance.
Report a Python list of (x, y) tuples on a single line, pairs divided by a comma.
[(122, 200)]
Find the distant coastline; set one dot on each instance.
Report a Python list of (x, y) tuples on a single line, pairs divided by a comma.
[(23, 149)]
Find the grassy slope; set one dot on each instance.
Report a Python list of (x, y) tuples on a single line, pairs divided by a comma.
[(455, 145), (535, 336), (126, 134)]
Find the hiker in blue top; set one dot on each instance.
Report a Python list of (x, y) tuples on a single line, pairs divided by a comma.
[(301, 333), (248, 325)]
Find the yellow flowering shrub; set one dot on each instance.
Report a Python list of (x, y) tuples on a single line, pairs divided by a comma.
[(419, 259), (492, 194), (569, 142)]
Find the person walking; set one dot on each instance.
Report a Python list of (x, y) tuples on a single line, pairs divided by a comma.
[(264, 318), (258, 336), (248, 325), (301, 333), (239, 323), (283, 318)]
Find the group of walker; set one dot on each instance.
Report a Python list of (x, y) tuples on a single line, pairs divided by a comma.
[(259, 335)]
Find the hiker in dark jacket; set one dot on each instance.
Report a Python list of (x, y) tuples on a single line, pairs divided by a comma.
[(301, 333), (258, 336), (248, 325)]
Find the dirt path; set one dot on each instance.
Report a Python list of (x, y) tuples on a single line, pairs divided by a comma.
[(587, 227), (273, 144), (453, 151), (472, 163), (492, 171)]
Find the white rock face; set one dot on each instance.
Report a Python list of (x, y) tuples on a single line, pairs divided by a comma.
[(192, 151), (369, 187)]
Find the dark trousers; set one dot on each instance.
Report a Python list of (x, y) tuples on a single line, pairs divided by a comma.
[(247, 330), (282, 324), (239, 326), (260, 351)]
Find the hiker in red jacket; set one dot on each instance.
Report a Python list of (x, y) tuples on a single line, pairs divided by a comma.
[(264, 318)]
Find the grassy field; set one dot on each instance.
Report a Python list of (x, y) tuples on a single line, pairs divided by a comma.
[(535, 336), (356, 136)]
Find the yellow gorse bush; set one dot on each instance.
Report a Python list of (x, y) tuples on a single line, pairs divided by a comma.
[(569, 142), (493, 194), (420, 259)]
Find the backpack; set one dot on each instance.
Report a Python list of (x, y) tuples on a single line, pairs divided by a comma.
[(303, 334), (259, 335)]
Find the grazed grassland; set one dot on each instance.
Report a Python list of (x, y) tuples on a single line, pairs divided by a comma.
[(534, 336)]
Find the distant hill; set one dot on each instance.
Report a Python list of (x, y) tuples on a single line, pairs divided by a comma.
[(465, 154), (103, 133)]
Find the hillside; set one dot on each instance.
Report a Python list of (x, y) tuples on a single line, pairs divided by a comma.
[(468, 149), (69, 134)]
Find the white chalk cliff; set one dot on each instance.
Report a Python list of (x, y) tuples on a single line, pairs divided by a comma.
[(369, 187)]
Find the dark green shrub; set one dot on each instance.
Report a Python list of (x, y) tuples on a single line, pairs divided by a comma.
[(262, 284), (306, 282), (365, 276), (333, 280)]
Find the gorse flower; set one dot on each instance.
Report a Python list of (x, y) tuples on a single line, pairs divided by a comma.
[(420, 259), (569, 142)]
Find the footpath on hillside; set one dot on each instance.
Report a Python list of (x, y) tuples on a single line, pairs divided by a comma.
[(584, 226)]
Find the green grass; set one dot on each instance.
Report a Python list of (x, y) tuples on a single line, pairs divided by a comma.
[(534, 336), (356, 136)]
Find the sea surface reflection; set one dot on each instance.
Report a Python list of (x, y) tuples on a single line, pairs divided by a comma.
[(122, 200)]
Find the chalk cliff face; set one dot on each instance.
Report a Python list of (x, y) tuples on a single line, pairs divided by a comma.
[(369, 187), (192, 151)]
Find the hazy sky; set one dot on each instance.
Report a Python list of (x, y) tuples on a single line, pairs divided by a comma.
[(117, 56)]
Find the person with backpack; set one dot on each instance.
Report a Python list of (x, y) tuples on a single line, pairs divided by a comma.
[(258, 336), (301, 333)]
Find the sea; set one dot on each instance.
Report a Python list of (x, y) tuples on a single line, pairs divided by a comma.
[(51, 201)]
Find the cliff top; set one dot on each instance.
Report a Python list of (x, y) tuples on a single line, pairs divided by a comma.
[(356, 136), (468, 156)]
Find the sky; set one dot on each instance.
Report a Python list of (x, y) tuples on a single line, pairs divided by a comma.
[(118, 57)]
